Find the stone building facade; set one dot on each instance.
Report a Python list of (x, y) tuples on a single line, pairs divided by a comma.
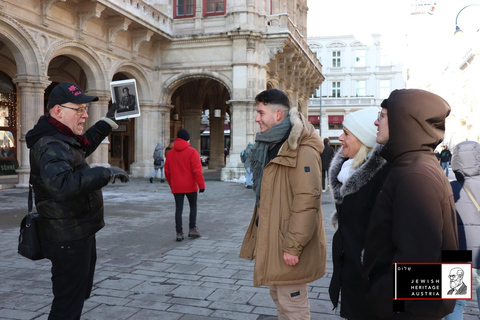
[(358, 75), (185, 56)]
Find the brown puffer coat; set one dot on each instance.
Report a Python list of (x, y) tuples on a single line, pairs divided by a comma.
[(413, 219), (290, 214)]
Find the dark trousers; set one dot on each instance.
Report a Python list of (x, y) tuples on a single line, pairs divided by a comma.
[(73, 268), (192, 201), (324, 176)]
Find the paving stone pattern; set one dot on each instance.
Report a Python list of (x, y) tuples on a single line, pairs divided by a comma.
[(143, 273)]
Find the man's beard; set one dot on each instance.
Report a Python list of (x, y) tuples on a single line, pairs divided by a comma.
[(455, 283)]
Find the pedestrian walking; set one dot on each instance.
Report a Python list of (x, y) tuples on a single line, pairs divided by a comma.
[(68, 194), (158, 162), (445, 158), (286, 236), (466, 192), (326, 156), (356, 177), (413, 219), (183, 170), (246, 158)]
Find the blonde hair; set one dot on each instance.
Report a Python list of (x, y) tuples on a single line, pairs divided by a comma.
[(361, 156)]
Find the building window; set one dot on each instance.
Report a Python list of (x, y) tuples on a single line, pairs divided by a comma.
[(184, 8), (336, 89), (360, 88), (384, 89), (335, 122), (213, 7), (336, 59)]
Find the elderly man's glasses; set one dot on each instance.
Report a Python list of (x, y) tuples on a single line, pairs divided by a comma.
[(79, 111)]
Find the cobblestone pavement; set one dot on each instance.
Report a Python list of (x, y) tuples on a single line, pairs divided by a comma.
[(143, 273)]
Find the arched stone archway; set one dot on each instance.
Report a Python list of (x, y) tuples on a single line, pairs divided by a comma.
[(133, 144), (21, 59), (200, 105), (90, 63)]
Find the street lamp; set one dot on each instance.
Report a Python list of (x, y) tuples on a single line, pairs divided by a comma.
[(459, 31)]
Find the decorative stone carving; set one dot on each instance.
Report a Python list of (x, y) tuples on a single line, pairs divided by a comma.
[(114, 27), (138, 37), (46, 7), (86, 12)]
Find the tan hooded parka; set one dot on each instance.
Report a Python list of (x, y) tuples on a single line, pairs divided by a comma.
[(290, 213)]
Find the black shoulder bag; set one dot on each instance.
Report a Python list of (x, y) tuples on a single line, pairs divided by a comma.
[(29, 244)]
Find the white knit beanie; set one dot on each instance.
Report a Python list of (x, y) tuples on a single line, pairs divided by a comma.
[(361, 125)]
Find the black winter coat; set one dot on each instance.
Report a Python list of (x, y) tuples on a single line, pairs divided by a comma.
[(413, 218), (354, 202), (68, 192), (327, 156)]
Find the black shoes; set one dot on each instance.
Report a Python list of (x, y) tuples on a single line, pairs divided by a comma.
[(180, 236), (151, 180)]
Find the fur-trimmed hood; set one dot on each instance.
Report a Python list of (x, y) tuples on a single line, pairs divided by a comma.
[(302, 133), (359, 178)]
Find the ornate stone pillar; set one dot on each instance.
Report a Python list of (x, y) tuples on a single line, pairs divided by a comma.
[(252, 127), (217, 142), (192, 119), (238, 138), (97, 110), (31, 108), (148, 128)]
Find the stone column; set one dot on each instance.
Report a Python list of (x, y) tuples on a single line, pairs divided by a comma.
[(252, 127), (217, 142), (96, 110), (164, 123), (238, 139), (148, 130), (192, 118), (31, 108), (163, 130)]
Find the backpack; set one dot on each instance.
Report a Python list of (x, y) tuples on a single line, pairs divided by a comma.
[(243, 158)]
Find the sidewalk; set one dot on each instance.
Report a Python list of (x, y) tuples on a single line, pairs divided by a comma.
[(143, 273)]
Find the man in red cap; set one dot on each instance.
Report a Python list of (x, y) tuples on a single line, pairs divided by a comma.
[(68, 193)]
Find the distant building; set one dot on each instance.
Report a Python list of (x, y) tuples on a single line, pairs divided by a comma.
[(357, 76), (458, 84)]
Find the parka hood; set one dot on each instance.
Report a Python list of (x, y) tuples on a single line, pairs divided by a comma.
[(180, 144), (416, 121), (466, 158), (303, 132)]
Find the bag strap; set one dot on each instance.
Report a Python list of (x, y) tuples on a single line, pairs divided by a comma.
[(30, 200), (472, 198)]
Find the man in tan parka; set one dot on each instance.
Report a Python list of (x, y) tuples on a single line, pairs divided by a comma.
[(286, 236)]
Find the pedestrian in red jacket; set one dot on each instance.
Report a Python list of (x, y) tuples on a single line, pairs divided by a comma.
[(183, 170)]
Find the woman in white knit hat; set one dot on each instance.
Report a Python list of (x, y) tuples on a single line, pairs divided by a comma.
[(356, 175)]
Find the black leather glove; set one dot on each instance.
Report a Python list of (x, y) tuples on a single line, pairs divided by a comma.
[(202, 190), (117, 173), (111, 112)]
